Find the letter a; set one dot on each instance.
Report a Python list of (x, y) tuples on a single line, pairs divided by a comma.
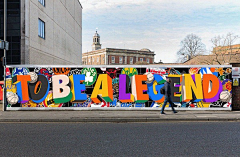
[(106, 92)]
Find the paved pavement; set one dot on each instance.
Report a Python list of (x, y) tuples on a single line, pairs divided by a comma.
[(116, 116)]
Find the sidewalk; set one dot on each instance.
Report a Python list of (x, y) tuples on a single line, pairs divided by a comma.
[(117, 116)]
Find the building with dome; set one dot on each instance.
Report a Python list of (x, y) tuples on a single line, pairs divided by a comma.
[(115, 56)]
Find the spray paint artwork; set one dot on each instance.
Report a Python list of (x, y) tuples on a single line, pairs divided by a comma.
[(118, 87)]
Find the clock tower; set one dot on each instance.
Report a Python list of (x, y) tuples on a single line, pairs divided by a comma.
[(96, 42)]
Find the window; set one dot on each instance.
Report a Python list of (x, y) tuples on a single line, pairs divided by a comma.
[(42, 2), (141, 59), (147, 60), (131, 60), (120, 60), (41, 28), (13, 32), (113, 59)]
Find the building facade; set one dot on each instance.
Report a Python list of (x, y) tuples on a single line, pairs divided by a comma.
[(231, 49), (114, 56), (214, 60), (220, 55), (43, 31)]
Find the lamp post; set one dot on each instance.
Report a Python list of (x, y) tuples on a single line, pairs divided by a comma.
[(4, 55)]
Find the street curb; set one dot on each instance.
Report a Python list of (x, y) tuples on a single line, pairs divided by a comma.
[(119, 120)]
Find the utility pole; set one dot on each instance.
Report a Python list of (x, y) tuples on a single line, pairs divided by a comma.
[(5, 55)]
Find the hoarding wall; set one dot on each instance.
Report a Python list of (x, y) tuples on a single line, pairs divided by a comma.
[(88, 87)]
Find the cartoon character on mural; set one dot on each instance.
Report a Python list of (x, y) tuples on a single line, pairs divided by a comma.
[(10, 87), (115, 90)]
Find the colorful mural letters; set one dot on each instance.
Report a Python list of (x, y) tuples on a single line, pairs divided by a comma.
[(118, 87)]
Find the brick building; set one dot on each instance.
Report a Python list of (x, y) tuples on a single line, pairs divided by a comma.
[(213, 59), (220, 55), (114, 56), (231, 49)]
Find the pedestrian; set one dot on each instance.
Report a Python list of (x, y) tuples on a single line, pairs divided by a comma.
[(168, 96)]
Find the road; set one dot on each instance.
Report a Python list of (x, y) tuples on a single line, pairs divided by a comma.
[(120, 139)]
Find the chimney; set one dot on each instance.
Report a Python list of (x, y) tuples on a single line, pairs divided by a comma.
[(188, 57)]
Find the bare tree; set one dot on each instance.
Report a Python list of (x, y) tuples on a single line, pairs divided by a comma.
[(223, 49), (191, 46)]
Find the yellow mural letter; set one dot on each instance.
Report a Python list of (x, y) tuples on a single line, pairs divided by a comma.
[(192, 87), (106, 92)]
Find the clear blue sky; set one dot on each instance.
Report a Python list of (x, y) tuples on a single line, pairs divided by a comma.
[(159, 25)]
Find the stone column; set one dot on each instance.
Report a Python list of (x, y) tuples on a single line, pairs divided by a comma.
[(106, 59)]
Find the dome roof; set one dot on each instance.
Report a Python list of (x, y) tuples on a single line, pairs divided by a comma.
[(145, 49), (96, 34)]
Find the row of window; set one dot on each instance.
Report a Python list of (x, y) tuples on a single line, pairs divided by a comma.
[(131, 60), (41, 23), (113, 60), (89, 60), (93, 59), (120, 59)]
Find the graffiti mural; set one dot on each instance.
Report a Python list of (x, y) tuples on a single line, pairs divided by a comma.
[(192, 87)]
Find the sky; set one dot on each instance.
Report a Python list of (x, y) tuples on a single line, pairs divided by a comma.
[(159, 25)]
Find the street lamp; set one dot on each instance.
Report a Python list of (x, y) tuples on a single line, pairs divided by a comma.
[(4, 55)]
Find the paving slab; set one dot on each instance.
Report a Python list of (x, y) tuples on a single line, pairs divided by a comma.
[(116, 116)]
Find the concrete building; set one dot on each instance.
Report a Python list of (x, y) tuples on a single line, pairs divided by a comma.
[(43, 31), (114, 56)]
